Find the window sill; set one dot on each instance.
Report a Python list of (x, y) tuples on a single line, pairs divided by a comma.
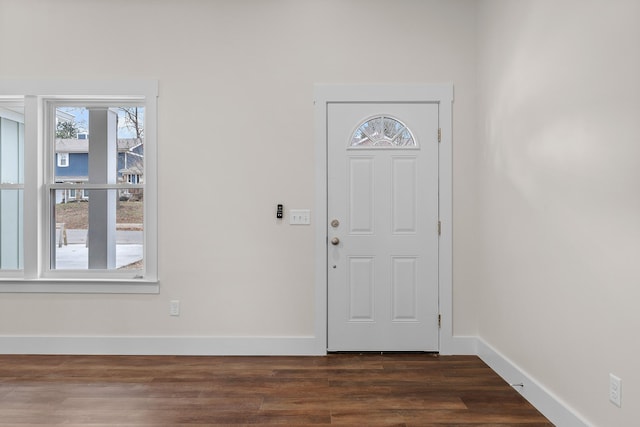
[(80, 286)]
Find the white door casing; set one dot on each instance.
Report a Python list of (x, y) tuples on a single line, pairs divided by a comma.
[(383, 222), (440, 95)]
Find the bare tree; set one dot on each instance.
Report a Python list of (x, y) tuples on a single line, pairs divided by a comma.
[(134, 120)]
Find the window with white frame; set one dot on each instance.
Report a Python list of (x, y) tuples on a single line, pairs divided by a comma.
[(63, 160), (110, 241)]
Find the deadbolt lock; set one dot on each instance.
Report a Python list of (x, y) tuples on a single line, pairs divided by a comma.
[(335, 223)]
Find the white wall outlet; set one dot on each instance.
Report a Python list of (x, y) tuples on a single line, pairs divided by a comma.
[(300, 217), (174, 308), (615, 390)]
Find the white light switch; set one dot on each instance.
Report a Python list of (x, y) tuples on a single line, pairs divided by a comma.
[(300, 216)]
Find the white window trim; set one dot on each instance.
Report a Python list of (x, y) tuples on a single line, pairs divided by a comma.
[(10, 114), (34, 278)]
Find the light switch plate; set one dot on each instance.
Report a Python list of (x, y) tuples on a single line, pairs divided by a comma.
[(300, 217)]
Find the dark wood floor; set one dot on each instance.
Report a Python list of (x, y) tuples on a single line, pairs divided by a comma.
[(357, 390)]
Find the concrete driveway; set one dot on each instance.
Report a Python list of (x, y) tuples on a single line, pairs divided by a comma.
[(75, 255)]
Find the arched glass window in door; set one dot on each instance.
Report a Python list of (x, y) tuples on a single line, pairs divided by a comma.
[(382, 132)]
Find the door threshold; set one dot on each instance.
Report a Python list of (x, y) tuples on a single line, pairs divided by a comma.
[(381, 353)]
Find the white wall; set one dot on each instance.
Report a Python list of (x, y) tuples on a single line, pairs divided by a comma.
[(236, 138), (546, 205), (559, 205)]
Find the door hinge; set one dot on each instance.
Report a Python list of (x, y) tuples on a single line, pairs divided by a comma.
[(439, 228), (439, 134), (439, 320)]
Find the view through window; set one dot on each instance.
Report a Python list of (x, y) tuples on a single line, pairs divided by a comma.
[(97, 194)]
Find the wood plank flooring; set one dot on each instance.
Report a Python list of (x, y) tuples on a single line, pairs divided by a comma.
[(340, 389)]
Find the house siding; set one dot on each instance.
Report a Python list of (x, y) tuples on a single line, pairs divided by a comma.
[(78, 166)]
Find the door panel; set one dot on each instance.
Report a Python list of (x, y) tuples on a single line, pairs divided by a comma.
[(404, 195), (361, 190), (361, 288), (405, 288), (383, 267)]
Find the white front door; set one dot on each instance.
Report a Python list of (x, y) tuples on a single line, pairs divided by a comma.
[(382, 226)]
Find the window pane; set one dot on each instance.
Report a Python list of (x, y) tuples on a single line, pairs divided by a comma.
[(98, 229), (11, 152), (11, 199), (383, 132), (114, 154), (11, 250)]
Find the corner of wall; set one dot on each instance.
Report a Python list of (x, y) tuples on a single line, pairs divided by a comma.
[(542, 399)]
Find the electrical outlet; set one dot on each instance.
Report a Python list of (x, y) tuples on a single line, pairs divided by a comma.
[(615, 390), (174, 308)]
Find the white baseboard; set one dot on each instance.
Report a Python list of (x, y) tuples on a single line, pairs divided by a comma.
[(544, 401), (458, 346), (190, 346), (176, 346)]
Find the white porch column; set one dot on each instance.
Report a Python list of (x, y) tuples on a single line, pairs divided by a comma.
[(103, 157)]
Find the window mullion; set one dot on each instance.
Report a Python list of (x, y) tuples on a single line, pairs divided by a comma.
[(33, 188)]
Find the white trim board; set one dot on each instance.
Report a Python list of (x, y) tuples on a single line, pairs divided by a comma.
[(160, 345), (558, 412), (179, 346)]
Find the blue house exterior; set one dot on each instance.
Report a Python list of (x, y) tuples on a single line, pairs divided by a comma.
[(72, 165), (77, 165)]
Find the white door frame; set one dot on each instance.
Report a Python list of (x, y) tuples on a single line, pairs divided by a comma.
[(441, 94)]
